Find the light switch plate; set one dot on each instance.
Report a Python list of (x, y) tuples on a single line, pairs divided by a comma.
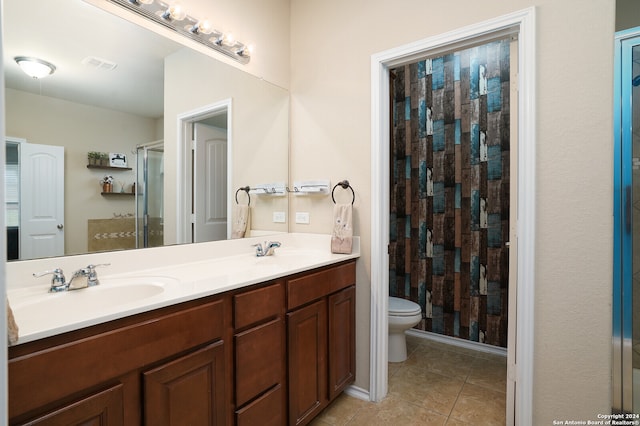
[(279, 217), (302, 217)]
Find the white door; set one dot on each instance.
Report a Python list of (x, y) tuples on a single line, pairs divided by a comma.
[(42, 201), (210, 183)]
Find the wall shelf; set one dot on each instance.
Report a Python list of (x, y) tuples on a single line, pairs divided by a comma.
[(91, 166), (118, 194)]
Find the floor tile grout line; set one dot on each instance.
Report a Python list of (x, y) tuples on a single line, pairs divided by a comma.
[(455, 402)]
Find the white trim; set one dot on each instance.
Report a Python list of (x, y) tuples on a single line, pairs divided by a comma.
[(357, 392), (460, 343), (522, 23), (183, 166)]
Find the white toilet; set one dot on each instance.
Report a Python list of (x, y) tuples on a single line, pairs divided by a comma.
[(403, 314)]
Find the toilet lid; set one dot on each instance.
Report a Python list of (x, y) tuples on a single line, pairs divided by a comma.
[(403, 307)]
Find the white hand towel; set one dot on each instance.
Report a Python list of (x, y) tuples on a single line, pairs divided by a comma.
[(12, 327), (342, 236), (241, 220)]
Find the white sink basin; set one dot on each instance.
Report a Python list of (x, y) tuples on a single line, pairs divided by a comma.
[(112, 293)]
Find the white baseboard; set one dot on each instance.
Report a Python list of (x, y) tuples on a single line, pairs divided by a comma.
[(454, 341), (357, 392)]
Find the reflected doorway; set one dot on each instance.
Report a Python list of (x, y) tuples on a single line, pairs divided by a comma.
[(205, 171)]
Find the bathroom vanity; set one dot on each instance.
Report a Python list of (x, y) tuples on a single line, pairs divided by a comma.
[(273, 352)]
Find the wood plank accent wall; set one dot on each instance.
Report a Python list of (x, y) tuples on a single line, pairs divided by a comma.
[(450, 191)]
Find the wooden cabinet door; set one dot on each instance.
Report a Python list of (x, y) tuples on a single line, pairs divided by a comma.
[(100, 409), (307, 337), (341, 346), (188, 390)]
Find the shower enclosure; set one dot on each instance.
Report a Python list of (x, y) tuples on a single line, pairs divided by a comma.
[(626, 277), (149, 194)]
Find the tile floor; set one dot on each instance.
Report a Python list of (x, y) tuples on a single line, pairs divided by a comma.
[(438, 384)]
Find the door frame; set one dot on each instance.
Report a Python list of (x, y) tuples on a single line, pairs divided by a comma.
[(522, 24), (184, 166)]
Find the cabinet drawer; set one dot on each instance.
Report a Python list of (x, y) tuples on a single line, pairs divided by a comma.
[(252, 307), (313, 286), (259, 360), (268, 410)]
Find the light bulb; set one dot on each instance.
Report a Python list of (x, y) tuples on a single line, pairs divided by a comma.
[(228, 39), (202, 27), (245, 50), (175, 11)]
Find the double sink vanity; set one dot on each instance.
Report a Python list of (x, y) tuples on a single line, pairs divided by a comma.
[(219, 336)]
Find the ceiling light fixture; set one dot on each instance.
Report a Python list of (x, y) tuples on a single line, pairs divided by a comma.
[(34, 67), (173, 16)]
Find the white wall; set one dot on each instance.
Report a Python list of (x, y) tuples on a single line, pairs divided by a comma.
[(331, 46), (80, 129)]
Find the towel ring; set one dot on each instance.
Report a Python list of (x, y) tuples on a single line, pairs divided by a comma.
[(344, 184), (246, 189)]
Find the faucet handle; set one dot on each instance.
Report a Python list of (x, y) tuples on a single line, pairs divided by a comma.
[(92, 275), (58, 281), (259, 249)]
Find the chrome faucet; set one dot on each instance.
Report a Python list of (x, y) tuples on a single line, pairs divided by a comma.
[(59, 283), (266, 248)]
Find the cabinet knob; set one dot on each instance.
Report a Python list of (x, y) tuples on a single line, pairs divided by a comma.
[(60, 226)]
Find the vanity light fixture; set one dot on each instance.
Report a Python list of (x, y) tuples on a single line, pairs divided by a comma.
[(34, 67), (173, 16)]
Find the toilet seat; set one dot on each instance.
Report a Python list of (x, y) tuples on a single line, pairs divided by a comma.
[(403, 308)]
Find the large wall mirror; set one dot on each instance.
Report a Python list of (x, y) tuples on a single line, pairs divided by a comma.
[(125, 91)]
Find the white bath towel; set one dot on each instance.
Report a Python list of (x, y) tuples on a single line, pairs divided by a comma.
[(12, 327), (342, 236), (241, 220)]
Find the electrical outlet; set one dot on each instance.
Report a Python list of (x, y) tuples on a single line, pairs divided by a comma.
[(279, 217), (302, 217)]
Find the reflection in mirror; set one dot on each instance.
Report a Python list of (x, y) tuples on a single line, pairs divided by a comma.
[(117, 89)]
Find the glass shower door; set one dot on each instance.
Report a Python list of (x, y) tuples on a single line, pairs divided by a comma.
[(150, 195), (626, 294)]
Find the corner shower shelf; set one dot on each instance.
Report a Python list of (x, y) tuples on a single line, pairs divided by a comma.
[(91, 166)]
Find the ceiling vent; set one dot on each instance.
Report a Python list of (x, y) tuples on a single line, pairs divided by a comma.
[(99, 63)]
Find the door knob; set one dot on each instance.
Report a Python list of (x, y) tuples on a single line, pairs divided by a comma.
[(60, 226)]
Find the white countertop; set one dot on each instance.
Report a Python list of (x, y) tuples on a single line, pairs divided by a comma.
[(214, 268)]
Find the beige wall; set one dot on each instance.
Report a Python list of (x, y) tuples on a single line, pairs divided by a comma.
[(331, 47), (265, 24), (80, 129)]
